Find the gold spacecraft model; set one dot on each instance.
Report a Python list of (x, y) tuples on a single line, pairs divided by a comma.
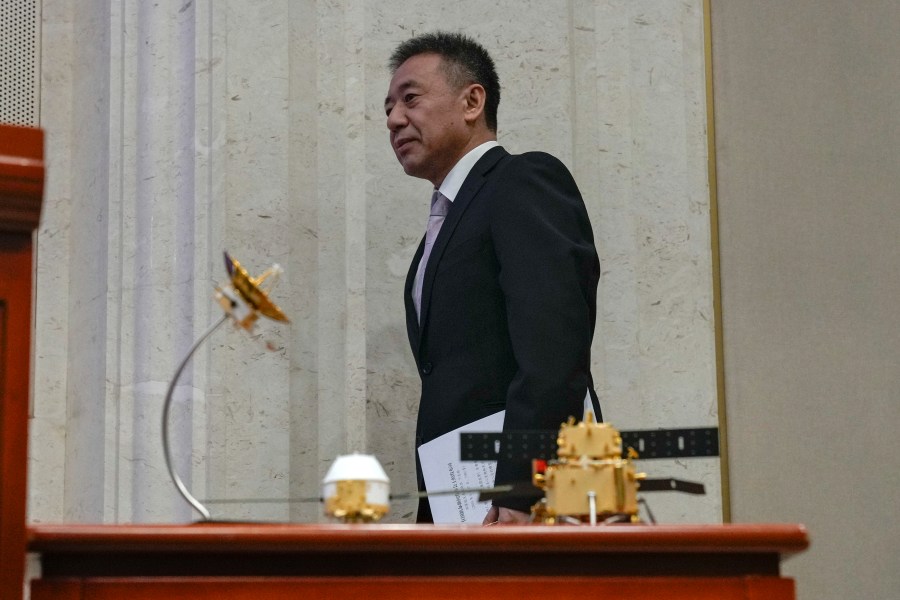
[(590, 479), (356, 489), (245, 298)]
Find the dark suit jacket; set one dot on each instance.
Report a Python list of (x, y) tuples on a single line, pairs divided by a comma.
[(508, 304)]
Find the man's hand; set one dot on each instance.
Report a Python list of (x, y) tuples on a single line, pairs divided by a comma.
[(498, 514)]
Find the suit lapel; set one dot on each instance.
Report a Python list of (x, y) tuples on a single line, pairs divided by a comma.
[(470, 188), (412, 323)]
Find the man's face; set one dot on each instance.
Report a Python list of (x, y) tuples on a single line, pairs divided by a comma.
[(425, 116)]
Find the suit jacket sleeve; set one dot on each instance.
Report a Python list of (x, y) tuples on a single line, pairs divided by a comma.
[(548, 273)]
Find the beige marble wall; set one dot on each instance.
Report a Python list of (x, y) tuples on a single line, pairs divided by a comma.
[(177, 130)]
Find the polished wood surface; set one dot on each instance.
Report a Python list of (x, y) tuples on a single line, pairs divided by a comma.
[(417, 588), (254, 538), (21, 178), (21, 185), (410, 561)]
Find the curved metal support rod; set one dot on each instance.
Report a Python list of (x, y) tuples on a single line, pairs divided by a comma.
[(167, 447)]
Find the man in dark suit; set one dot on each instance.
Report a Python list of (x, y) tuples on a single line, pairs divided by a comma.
[(501, 294)]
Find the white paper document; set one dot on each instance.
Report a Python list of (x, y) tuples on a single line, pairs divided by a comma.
[(443, 470)]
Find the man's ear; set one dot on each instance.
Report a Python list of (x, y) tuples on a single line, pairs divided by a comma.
[(474, 96)]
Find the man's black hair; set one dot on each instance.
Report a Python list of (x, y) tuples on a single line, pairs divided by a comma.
[(466, 61)]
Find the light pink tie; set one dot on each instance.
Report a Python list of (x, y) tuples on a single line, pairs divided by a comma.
[(439, 207)]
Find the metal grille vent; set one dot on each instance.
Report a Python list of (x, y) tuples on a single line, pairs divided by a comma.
[(19, 61)]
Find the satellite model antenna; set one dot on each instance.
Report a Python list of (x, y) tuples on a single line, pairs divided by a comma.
[(243, 300)]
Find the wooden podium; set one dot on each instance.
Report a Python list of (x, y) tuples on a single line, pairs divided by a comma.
[(413, 561), (21, 190)]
